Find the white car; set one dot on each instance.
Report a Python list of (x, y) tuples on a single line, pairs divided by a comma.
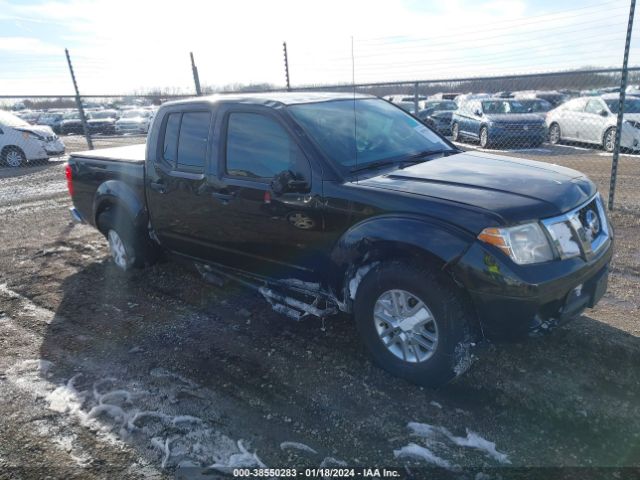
[(21, 142), (593, 120), (134, 121)]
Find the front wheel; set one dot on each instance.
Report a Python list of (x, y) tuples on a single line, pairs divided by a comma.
[(455, 132), (484, 137), (414, 323), (13, 157), (554, 134), (609, 141)]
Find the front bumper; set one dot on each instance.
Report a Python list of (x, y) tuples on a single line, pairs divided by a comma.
[(512, 301)]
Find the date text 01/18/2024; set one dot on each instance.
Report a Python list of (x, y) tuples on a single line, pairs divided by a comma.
[(316, 473)]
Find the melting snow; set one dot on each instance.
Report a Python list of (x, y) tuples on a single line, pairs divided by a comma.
[(297, 446), (472, 440), (421, 453)]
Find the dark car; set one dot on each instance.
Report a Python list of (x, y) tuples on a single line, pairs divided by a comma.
[(71, 123), (437, 114), (52, 120), (102, 121), (498, 123), (329, 202)]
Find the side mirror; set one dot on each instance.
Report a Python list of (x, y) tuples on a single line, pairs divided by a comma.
[(604, 113), (478, 113), (287, 181)]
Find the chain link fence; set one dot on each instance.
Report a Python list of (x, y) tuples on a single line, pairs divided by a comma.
[(565, 118)]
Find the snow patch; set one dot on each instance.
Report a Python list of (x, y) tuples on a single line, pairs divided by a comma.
[(297, 446), (354, 283), (472, 440), (244, 459), (332, 462), (421, 453)]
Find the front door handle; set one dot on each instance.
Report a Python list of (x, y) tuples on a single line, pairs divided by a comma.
[(223, 197), (158, 187)]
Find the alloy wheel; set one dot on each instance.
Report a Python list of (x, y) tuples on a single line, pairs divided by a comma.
[(405, 326)]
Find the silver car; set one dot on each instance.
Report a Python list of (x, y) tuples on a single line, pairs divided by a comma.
[(593, 120)]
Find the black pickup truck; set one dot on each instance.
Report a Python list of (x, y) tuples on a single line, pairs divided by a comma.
[(328, 203)]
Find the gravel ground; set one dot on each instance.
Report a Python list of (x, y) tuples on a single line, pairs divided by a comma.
[(143, 376)]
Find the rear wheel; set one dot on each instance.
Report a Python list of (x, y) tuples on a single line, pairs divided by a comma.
[(555, 136), (129, 247), (455, 132), (413, 323), (484, 137), (13, 157), (609, 139)]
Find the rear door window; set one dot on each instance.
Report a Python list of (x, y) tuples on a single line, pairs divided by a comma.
[(170, 147), (594, 106), (186, 137), (193, 140)]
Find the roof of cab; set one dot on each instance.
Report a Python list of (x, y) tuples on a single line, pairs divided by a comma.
[(273, 99)]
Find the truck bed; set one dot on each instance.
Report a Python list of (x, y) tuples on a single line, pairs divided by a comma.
[(117, 172), (129, 153)]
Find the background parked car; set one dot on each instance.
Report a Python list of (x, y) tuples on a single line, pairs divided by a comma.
[(21, 142), (102, 121), (52, 120), (536, 105), (437, 114), (71, 123), (593, 120), (134, 121), (497, 122), (553, 97)]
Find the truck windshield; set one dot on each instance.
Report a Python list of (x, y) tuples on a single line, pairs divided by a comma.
[(354, 133)]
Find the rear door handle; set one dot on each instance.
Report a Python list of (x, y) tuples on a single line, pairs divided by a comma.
[(158, 187), (223, 197)]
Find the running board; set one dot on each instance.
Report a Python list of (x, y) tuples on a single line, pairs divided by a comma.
[(294, 301)]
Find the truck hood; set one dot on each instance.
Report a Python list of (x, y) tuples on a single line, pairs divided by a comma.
[(515, 189)]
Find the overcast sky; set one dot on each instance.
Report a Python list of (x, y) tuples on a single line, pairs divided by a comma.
[(120, 46)]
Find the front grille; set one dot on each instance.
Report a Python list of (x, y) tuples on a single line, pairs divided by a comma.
[(517, 127), (582, 231)]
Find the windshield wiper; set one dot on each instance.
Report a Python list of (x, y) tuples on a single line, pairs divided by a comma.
[(374, 165), (411, 159), (428, 153)]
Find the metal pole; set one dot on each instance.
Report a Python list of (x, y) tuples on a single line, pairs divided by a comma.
[(286, 65), (196, 77), (623, 92), (83, 118), (415, 99)]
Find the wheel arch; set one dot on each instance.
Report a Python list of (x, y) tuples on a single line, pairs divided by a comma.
[(410, 238), (116, 194)]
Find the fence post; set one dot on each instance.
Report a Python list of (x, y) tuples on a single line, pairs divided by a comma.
[(415, 99), (623, 92), (196, 77), (83, 118), (286, 65)]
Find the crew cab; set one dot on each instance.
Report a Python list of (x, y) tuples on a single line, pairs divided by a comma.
[(327, 203)]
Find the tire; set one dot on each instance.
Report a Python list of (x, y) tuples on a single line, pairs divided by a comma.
[(13, 157), (449, 324), (555, 134), (484, 137), (455, 132), (609, 139), (129, 247)]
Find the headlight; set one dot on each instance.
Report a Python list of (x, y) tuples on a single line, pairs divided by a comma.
[(524, 244), (36, 136), (633, 123)]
